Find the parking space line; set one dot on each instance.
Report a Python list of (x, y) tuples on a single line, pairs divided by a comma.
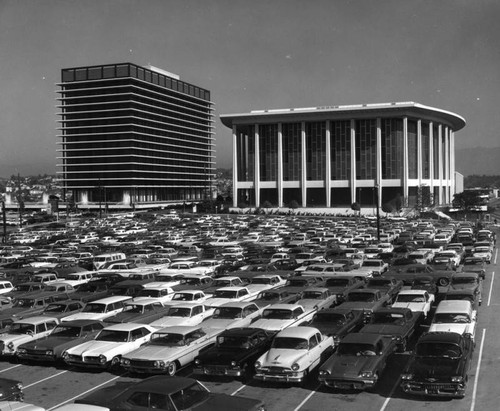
[(474, 392), (11, 368), (307, 398), (386, 402), (86, 392), (491, 288), (45, 379), (238, 390), (496, 255)]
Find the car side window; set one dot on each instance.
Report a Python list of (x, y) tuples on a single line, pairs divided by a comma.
[(40, 328), (139, 399), (313, 342)]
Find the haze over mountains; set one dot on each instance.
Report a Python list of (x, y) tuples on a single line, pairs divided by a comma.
[(481, 161)]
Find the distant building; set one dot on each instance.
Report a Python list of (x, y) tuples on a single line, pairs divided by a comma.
[(132, 134), (333, 156)]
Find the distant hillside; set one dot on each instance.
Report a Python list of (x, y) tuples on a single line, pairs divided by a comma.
[(478, 161)]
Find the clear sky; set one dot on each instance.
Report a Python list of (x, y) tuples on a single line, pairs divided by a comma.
[(252, 54)]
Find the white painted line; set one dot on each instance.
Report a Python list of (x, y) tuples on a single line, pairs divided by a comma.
[(496, 255), (491, 288), (386, 402), (474, 392), (11, 368), (238, 390), (307, 398), (86, 392), (45, 379)]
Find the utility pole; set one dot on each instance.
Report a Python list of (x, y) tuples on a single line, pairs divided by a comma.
[(19, 201), (4, 220)]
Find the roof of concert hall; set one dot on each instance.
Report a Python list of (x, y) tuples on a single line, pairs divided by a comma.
[(408, 109)]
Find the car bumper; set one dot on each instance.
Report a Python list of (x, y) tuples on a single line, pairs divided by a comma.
[(341, 384), (294, 377), (37, 357), (434, 390), (219, 371)]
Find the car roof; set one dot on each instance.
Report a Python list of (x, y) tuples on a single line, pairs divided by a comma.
[(304, 332), (453, 306), (237, 304), (37, 319), (179, 329), (242, 332), (437, 336), (127, 327)]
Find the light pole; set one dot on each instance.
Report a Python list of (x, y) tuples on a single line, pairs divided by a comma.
[(378, 211)]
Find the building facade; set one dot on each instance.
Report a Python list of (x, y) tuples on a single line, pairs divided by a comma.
[(134, 135), (393, 154)]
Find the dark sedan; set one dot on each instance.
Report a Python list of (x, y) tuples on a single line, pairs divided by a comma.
[(337, 322)]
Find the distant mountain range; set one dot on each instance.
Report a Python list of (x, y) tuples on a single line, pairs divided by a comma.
[(479, 161)]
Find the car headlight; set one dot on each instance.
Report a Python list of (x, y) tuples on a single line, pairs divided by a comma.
[(21, 351), (234, 363), (159, 364), (10, 346), (257, 365), (19, 386), (366, 374), (457, 378), (49, 352), (197, 361), (407, 377), (295, 366), (324, 372), (125, 361), (102, 359), (64, 355)]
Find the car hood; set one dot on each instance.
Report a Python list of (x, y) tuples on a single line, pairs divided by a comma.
[(16, 338), (383, 329), (96, 348), (157, 352), (225, 402), (223, 356), (171, 321), (278, 357), (456, 328), (50, 343), (412, 306), (349, 366), (272, 325)]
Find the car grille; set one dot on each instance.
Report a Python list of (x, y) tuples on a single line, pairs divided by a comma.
[(277, 370), (142, 363), (75, 358), (92, 360)]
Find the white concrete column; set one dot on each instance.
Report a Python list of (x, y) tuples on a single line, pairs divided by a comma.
[(431, 157), (440, 163), (405, 160), (447, 165), (378, 178), (303, 175), (328, 166), (280, 165), (235, 167), (353, 162), (452, 165), (256, 182), (419, 152)]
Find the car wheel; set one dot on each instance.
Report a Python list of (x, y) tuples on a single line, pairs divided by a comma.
[(172, 368), (443, 281)]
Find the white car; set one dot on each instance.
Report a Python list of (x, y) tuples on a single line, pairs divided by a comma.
[(456, 316), (418, 301), (5, 287), (108, 347), (161, 293), (187, 313), (295, 352), (26, 330), (317, 298), (184, 296), (230, 294), (23, 406), (483, 252), (265, 282), (277, 317), (186, 267), (170, 349), (447, 256)]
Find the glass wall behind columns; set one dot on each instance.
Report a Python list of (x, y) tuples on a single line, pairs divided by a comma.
[(340, 151), (435, 143), (426, 155), (245, 152), (392, 148), (316, 150), (366, 149), (268, 152), (412, 150), (292, 148)]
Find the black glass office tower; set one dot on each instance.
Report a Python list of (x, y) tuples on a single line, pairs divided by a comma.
[(134, 135)]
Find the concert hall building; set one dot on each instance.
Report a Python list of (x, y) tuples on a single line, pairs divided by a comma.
[(394, 154), (134, 135)]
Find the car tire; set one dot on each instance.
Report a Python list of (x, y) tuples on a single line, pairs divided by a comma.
[(443, 281), (172, 368)]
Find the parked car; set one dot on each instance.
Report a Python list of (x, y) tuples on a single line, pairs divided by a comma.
[(11, 390), (455, 315), (170, 349), (275, 296), (233, 315), (439, 365), (277, 317), (295, 352), (418, 301), (108, 347), (167, 393), (358, 363), (234, 353), (337, 322), (186, 313), (63, 337)]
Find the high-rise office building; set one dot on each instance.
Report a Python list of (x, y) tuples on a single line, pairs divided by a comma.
[(134, 135)]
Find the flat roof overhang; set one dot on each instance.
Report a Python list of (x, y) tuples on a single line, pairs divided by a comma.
[(356, 111)]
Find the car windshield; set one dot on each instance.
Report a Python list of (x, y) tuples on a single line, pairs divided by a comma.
[(179, 312), (190, 396), (135, 308), (74, 277), (191, 281), (66, 331), (225, 294), (55, 308), (363, 297), (268, 296), (25, 303), (277, 314), (22, 328), (312, 295), (388, 318), (358, 349), (113, 336), (166, 278), (149, 293), (330, 318), (445, 318), (337, 282), (410, 298), (232, 342), (264, 281), (437, 349), (228, 312), (94, 308), (290, 343), (463, 280), (168, 339), (371, 264), (297, 283)]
